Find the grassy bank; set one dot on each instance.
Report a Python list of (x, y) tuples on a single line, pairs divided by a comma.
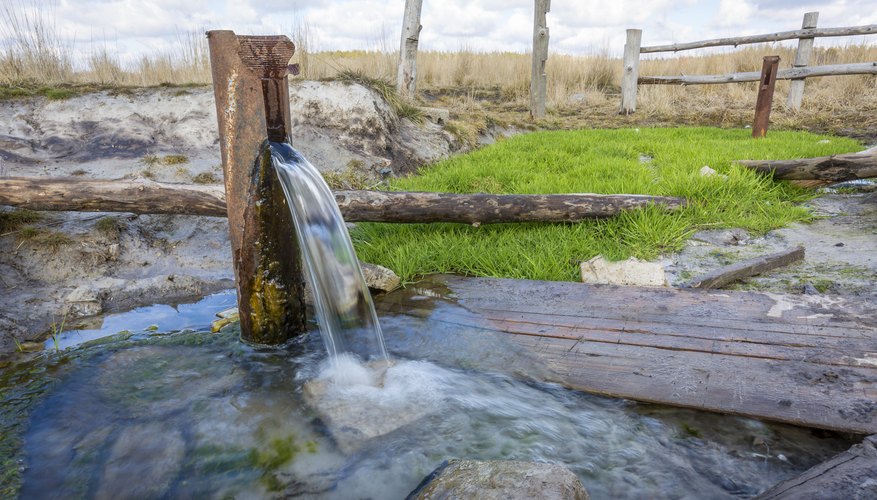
[(635, 161)]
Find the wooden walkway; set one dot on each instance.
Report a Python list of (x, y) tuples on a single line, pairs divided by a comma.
[(803, 360)]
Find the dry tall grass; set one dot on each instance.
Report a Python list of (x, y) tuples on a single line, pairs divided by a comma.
[(37, 56)]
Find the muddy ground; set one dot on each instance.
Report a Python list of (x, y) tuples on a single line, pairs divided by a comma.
[(77, 266)]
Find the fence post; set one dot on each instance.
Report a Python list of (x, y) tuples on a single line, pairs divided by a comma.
[(406, 82), (765, 96), (538, 78), (630, 71), (802, 59)]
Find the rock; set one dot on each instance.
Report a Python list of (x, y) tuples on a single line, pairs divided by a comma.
[(631, 272), (228, 313), (155, 381), (507, 480), (706, 171), (365, 403), (112, 252), (84, 301), (438, 116), (379, 277), (143, 462)]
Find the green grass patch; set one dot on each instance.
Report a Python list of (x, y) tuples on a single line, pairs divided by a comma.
[(15, 219), (631, 161), (42, 237), (108, 226)]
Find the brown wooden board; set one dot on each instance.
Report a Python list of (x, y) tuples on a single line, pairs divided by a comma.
[(796, 359)]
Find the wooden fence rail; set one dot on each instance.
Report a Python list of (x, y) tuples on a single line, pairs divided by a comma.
[(799, 71), (753, 76), (870, 29)]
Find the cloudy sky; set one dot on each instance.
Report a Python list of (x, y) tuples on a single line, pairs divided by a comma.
[(133, 27)]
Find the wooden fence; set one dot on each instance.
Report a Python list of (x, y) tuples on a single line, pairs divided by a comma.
[(797, 73)]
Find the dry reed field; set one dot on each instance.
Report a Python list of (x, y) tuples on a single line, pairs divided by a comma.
[(480, 87)]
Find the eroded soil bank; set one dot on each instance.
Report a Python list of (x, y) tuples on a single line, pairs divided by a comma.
[(69, 266)]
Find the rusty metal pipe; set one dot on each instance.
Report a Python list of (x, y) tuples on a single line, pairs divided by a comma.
[(252, 106)]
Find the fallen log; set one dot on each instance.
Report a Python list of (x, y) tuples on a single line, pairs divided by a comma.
[(149, 197), (745, 269), (834, 168)]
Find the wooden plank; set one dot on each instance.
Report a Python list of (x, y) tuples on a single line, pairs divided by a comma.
[(834, 168), (148, 197), (869, 29), (867, 68), (851, 474), (725, 309), (764, 102), (630, 71), (406, 78), (746, 269), (779, 367), (538, 78), (802, 59), (669, 337)]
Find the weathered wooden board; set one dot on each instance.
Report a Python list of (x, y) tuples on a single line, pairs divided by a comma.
[(851, 474), (745, 269), (795, 359)]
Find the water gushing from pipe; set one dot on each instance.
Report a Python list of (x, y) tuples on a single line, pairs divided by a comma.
[(344, 308)]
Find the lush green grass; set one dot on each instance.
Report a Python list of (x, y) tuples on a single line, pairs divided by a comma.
[(595, 161)]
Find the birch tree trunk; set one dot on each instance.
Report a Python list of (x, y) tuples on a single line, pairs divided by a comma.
[(407, 76)]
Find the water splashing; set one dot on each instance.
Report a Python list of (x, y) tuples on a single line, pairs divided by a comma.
[(344, 308)]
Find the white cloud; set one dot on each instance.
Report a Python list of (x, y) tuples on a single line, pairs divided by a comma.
[(576, 26), (734, 13)]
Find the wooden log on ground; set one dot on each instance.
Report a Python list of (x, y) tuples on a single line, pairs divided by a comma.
[(149, 197), (850, 474), (834, 168), (745, 269), (867, 68), (868, 29)]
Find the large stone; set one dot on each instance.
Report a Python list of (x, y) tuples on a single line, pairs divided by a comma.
[(379, 277), (143, 462), (495, 480), (362, 402), (630, 272)]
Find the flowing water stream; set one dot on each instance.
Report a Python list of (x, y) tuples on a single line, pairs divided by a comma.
[(169, 410), (343, 304)]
